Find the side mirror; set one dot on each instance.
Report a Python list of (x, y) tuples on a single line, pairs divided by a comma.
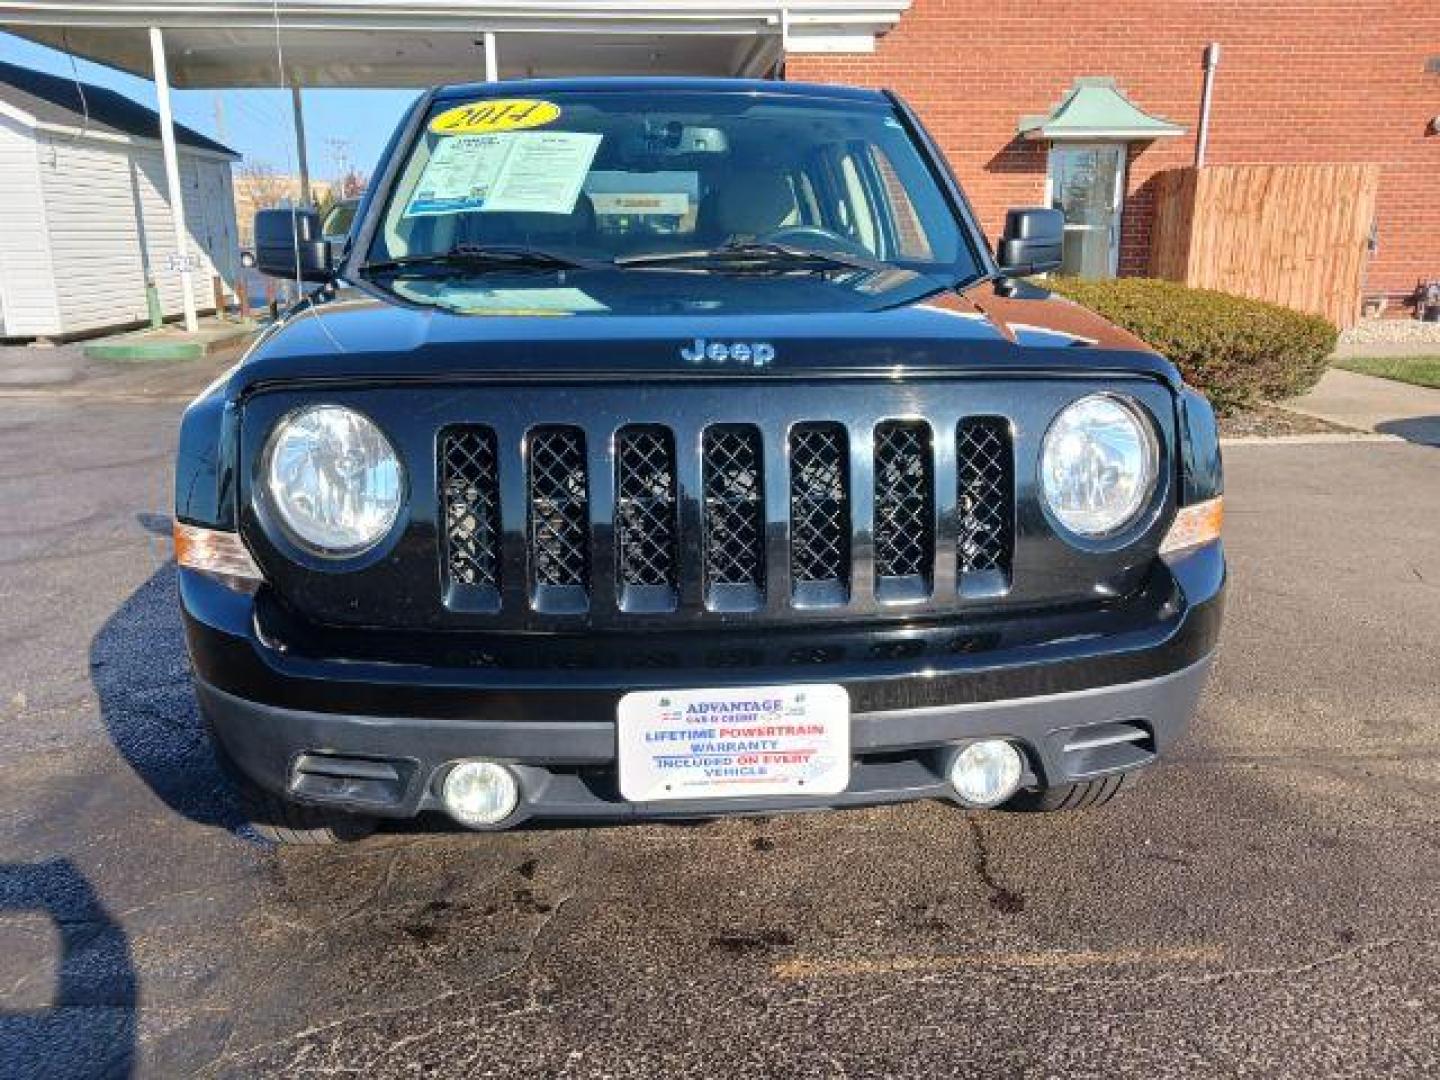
[(288, 244), (1031, 242)]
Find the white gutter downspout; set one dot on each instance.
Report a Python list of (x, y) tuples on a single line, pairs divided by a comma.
[(172, 176), (1202, 139)]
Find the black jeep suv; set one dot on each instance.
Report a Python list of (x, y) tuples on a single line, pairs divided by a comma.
[(677, 448)]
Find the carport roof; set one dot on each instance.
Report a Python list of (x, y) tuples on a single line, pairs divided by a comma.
[(425, 42), (53, 100)]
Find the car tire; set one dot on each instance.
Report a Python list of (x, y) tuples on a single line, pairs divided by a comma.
[(1085, 795), (281, 821)]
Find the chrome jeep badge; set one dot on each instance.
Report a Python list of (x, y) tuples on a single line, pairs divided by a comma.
[(746, 354)]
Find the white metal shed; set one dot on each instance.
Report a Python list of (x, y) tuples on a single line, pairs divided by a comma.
[(84, 218)]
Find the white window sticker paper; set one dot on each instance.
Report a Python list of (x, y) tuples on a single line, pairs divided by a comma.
[(544, 172), (517, 172), (459, 175)]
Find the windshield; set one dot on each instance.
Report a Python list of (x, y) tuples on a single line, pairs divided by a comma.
[(655, 181)]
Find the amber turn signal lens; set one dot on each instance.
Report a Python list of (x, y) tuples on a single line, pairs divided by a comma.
[(214, 552), (1195, 525)]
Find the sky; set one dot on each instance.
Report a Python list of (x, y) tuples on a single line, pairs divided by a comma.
[(341, 126)]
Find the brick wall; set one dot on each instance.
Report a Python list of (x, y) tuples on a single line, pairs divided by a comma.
[(1319, 81)]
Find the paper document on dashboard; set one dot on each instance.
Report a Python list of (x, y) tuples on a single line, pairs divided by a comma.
[(544, 172), (522, 172)]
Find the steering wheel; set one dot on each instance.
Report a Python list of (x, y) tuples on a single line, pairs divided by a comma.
[(816, 238)]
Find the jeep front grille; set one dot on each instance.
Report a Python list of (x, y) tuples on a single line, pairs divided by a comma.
[(820, 512), (983, 475), (734, 516), (647, 527), (904, 510), (559, 497), (687, 521), (470, 502)]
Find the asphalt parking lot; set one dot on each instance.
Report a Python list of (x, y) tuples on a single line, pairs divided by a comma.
[(1266, 904)]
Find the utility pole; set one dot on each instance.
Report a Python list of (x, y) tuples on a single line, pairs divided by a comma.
[(304, 158), (340, 154)]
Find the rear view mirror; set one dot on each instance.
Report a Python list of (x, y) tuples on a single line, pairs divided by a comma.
[(1031, 242), (288, 244)]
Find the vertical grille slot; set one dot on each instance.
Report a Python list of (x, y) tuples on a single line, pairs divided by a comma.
[(558, 483), (470, 502), (904, 510), (819, 514), (646, 525), (985, 504), (734, 517)]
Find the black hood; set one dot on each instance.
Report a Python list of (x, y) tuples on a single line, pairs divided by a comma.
[(587, 326)]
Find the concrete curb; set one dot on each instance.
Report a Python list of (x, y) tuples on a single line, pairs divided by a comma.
[(90, 397), (1312, 415), (1328, 439), (143, 346)]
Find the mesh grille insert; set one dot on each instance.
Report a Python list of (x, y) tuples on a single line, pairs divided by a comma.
[(819, 504), (470, 501), (645, 507), (559, 511), (985, 479), (663, 540), (734, 530), (904, 501)]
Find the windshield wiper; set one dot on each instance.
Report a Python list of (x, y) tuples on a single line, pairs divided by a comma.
[(480, 257), (761, 255)]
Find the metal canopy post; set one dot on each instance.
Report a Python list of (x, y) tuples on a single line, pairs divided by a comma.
[(172, 176), (492, 61), (301, 156)]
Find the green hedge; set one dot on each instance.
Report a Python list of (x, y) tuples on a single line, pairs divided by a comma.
[(1238, 351)]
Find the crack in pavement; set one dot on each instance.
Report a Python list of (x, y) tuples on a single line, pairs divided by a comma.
[(1005, 900), (228, 1056)]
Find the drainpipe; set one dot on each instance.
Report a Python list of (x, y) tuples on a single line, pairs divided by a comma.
[(1212, 61)]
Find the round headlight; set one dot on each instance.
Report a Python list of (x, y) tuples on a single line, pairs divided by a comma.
[(1098, 464), (480, 793), (334, 479)]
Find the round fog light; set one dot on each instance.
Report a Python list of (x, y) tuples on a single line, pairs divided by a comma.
[(480, 793), (986, 773)]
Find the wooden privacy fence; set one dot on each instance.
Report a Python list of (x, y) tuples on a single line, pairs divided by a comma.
[(1291, 234)]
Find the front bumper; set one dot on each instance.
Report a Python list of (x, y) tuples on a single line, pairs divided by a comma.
[(375, 736)]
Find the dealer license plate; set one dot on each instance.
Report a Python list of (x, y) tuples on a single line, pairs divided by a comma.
[(734, 743)]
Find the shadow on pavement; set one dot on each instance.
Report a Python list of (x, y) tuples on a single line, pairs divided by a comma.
[(1423, 430), (141, 676), (89, 1029)]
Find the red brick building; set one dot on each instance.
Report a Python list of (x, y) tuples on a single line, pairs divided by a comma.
[(1298, 81)]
